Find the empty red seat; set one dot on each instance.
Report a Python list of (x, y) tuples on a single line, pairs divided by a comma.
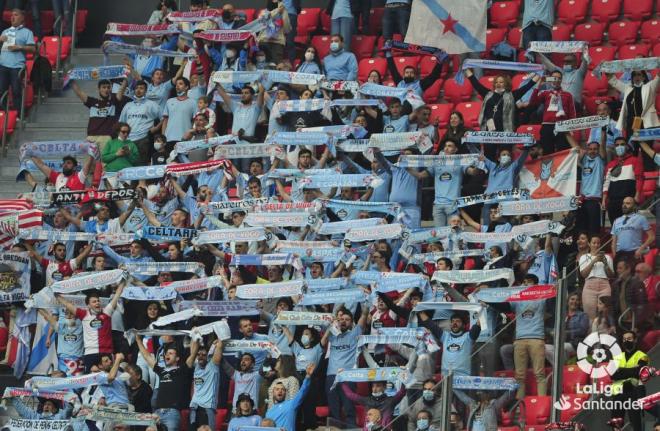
[(605, 10), (514, 37), (427, 63), (572, 11), (11, 121), (637, 10), (456, 93), (650, 31), (572, 375), (325, 22), (493, 37), (432, 93), (591, 32), (322, 412), (594, 86), (537, 409), (487, 81), (532, 129), (470, 111), (650, 183), (322, 45), (220, 418), (440, 112), (504, 14), (591, 103), (363, 46), (49, 48), (366, 65), (81, 20), (599, 54), (376, 20), (656, 50), (403, 62), (631, 51), (308, 20), (623, 32), (561, 32)]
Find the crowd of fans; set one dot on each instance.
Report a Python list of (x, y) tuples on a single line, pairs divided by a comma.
[(604, 253)]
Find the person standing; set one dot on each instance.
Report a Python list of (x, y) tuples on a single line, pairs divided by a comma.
[(638, 110), (628, 241), (626, 386), (17, 41), (120, 152), (592, 162), (340, 64), (178, 113), (624, 176), (206, 378), (395, 16), (341, 19), (140, 115), (538, 18), (558, 105), (596, 268)]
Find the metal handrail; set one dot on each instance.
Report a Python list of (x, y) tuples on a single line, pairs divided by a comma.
[(5, 122), (59, 47), (23, 92), (73, 23)]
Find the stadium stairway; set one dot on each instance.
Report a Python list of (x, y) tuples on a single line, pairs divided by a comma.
[(59, 116)]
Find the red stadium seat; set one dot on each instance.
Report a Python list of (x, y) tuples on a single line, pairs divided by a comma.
[(322, 412), (493, 37), (381, 42), (47, 18), (441, 113), (325, 22), (591, 103), (455, 93), (220, 418), (605, 10), (637, 10), (572, 11), (531, 386), (514, 37), (631, 51), (594, 86), (599, 54), (470, 111), (561, 32), (376, 20), (432, 94), (591, 32), (656, 50), (532, 129), (249, 15), (573, 409), (366, 65), (517, 80), (322, 45), (49, 48), (537, 409), (81, 20), (650, 31), (504, 14), (650, 183), (427, 63), (363, 46), (403, 62), (623, 32), (571, 377), (308, 20), (487, 81), (29, 96), (11, 121)]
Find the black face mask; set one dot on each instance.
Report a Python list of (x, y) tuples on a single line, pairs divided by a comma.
[(629, 345), (227, 16)]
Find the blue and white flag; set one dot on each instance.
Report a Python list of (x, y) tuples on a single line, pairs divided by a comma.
[(184, 147), (74, 382), (313, 254), (471, 276), (322, 284), (155, 268), (263, 259), (487, 137), (270, 290), (339, 131), (456, 27), (142, 173), (421, 161), (228, 235), (296, 78), (222, 308), (377, 90), (646, 134), (303, 318), (301, 105), (95, 73), (149, 293), (89, 280), (340, 180), (235, 78), (299, 138), (340, 227), (382, 374), (498, 65), (540, 206), (564, 47), (54, 149), (43, 359), (616, 66)]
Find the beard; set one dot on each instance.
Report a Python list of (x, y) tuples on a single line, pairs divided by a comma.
[(67, 172)]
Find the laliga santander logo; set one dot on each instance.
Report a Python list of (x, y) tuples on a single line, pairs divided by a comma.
[(595, 355)]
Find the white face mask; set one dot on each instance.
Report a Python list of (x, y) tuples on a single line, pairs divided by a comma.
[(334, 46), (638, 84), (309, 56), (505, 159), (158, 146), (500, 90), (230, 54), (261, 59), (180, 93), (620, 150)]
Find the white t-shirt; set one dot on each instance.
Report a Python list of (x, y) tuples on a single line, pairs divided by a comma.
[(598, 270)]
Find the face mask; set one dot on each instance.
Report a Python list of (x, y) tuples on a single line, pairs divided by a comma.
[(230, 54), (334, 46), (628, 345), (620, 150), (158, 146), (261, 59), (377, 394), (505, 159), (309, 56), (305, 340), (408, 80), (422, 424), (428, 395), (267, 369), (499, 90), (226, 15), (568, 68), (180, 93), (638, 84)]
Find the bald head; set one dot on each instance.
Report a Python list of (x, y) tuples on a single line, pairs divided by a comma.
[(643, 270)]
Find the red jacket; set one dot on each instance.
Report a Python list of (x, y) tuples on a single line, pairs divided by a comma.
[(629, 182), (545, 96)]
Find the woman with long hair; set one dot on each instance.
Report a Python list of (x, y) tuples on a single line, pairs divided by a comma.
[(311, 62), (455, 132), (596, 268), (604, 322)]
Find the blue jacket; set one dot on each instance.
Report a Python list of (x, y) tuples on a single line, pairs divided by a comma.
[(284, 413)]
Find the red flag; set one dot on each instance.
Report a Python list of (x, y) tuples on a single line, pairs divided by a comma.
[(11, 223)]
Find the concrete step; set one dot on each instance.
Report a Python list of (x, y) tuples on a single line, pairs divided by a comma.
[(32, 135), (74, 122)]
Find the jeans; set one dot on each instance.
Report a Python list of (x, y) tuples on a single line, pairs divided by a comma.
[(395, 17), (290, 43), (529, 350), (196, 421), (10, 78), (63, 9), (171, 418), (534, 33), (344, 27), (441, 214), (337, 399), (363, 14), (550, 142)]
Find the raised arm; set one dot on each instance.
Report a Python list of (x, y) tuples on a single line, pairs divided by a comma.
[(126, 214), (112, 374), (225, 97), (217, 353), (148, 357), (470, 221), (76, 89), (66, 304), (260, 95), (194, 347), (71, 219), (117, 295), (41, 166), (83, 255)]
